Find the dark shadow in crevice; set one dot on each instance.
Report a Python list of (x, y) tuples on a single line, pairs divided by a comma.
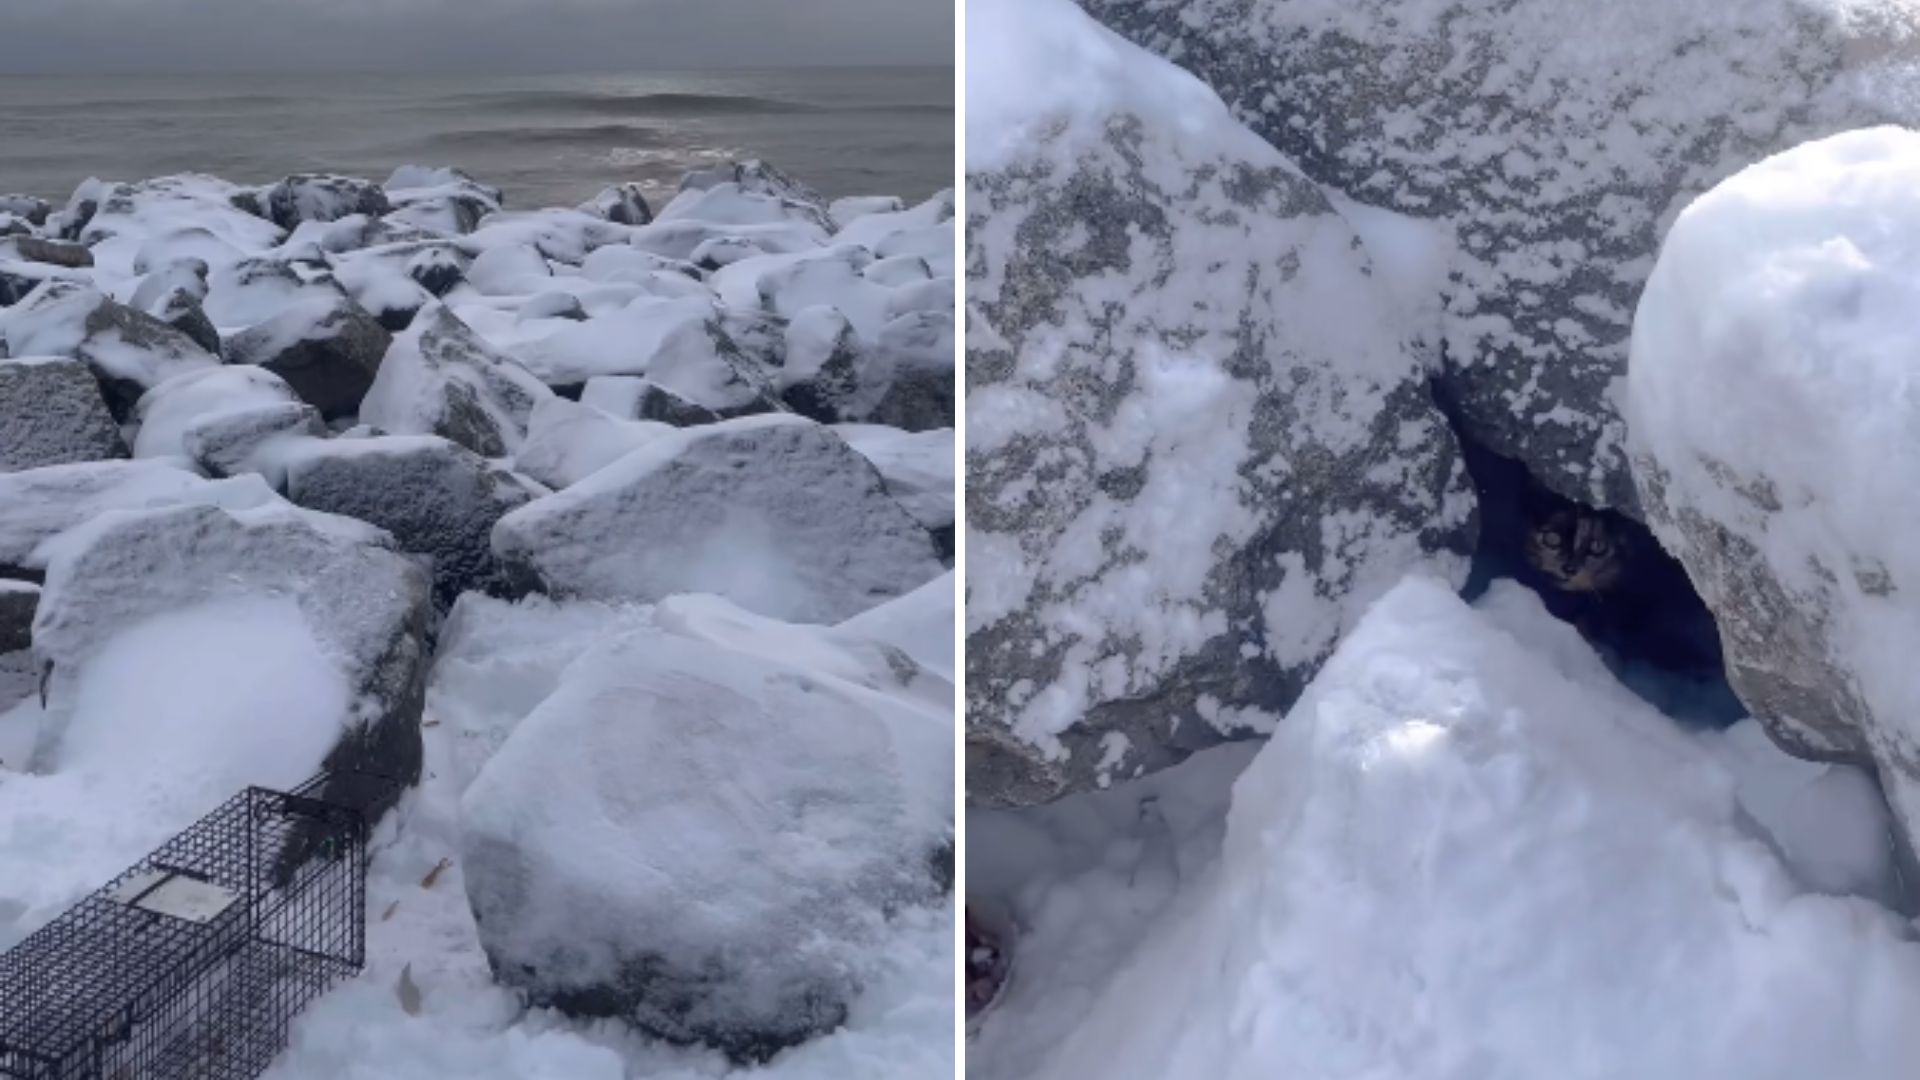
[(1605, 574)]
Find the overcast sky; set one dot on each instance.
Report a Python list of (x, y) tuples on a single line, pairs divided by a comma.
[(184, 36)]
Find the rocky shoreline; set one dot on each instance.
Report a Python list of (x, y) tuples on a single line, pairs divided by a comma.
[(354, 416)]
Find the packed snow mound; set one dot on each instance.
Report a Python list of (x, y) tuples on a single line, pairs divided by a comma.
[(173, 713), (1776, 445), (1441, 777), (365, 604), (776, 513), (1556, 160), (51, 413), (706, 840), (1178, 498)]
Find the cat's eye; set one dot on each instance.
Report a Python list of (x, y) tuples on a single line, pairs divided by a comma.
[(1596, 547), (1551, 540)]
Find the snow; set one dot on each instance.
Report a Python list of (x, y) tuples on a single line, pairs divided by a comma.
[(1782, 303), (567, 441), (919, 623), (739, 820), (44, 503), (170, 716), (918, 467), (1465, 852)]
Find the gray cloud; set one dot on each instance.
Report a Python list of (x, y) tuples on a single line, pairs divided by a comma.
[(507, 36)]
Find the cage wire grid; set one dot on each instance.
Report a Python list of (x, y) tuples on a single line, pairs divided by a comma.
[(194, 962)]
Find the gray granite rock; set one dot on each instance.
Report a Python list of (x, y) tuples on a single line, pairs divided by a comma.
[(51, 413), (1557, 166), (1199, 441)]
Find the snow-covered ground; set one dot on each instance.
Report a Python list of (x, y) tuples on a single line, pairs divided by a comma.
[(1468, 852)]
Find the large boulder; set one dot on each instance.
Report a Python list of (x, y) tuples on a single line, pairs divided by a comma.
[(169, 411), (440, 378), (129, 351), (366, 605), (776, 513), (1556, 158), (435, 497), (327, 348), (708, 824), (51, 412), (1776, 440), (322, 197), (1199, 443)]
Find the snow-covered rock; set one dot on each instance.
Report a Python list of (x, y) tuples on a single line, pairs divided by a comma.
[(177, 296), (129, 351), (1489, 863), (170, 410), (322, 197), (568, 441), (917, 467), (775, 513), (704, 836), (254, 438), (1774, 440), (42, 503), (440, 378), (623, 204), (635, 398), (51, 413), (366, 605), (435, 497), (51, 252), (327, 348), (920, 624), (1556, 160), (443, 201), (29, 208), (1179, 497)]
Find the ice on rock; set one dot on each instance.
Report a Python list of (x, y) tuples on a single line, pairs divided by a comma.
[(775, 513), (1774, 440), (51, 413), (170, 410), (708, 838), (129, 351), (366, 606), (1179, 498), (1556, 165), (1441, 777), (440, 378), (568, 441)]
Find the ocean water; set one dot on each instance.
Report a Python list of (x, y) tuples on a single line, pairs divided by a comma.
[(545, 140)]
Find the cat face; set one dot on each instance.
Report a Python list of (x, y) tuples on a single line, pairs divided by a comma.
[(1577, 551)]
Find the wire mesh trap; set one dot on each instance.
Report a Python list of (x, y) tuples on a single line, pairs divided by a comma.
[(194, 962)]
